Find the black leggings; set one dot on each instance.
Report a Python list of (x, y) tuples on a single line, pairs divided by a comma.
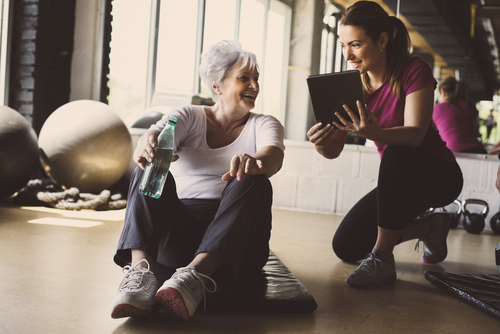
[(411, 181)]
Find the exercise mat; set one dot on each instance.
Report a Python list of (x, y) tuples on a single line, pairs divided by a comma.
[(482, 291), (272, 289)]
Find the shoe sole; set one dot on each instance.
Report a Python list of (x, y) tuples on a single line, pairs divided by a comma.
[(444, 236), (388, 279), (127, 310), (172, 300)]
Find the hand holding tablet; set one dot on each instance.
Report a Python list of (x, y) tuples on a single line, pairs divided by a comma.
[(329, 92)]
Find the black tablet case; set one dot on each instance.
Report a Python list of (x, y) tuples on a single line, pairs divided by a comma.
[(329, 92)]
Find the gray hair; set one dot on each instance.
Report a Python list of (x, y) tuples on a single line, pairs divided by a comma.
[(220, 58)]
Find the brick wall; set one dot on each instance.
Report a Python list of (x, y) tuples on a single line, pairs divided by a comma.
[(41, 51)]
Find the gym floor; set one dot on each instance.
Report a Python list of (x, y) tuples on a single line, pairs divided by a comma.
[(57, 276)]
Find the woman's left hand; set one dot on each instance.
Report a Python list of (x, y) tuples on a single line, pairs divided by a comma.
[(366, 125), (242, 164)]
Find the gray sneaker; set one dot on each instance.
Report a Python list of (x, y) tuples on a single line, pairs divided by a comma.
[(435, 248), (374, 271)]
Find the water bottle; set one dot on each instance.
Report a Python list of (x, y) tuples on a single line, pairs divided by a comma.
[(155, 173)]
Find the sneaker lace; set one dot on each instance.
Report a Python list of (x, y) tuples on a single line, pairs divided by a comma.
[(201, 278), (371, 264), (417, 245), (134, 276)]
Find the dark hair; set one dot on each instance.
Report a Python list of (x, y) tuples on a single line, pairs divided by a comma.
[(374, 20), (453, 90)]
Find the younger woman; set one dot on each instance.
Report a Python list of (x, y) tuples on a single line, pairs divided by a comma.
[(417, 170)]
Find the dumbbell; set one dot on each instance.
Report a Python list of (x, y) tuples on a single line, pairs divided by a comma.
[(474, 222)]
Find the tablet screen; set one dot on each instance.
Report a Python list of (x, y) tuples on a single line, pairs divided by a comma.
[(329, 92)]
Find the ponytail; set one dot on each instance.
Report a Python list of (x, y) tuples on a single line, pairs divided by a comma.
[(454, 90), (398, 54)]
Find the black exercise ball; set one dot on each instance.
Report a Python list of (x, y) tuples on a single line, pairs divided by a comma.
[(145, 118), (18, 151)]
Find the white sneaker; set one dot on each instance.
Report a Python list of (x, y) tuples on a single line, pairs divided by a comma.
[(183, 292), (136, 294)]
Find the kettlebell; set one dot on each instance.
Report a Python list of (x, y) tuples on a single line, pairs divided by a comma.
[(495, 223), (455, 216), (474, 222)]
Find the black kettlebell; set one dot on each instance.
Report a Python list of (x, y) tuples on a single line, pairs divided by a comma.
[(474, 222), (455, 216), (495, 223)]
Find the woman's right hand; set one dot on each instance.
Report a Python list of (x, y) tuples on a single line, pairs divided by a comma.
[(319, 134), (144, 151), (328, 141)]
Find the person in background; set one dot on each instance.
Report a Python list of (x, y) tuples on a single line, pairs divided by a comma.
[(489, 123), (417, 170), (213, 218), (456, 118)]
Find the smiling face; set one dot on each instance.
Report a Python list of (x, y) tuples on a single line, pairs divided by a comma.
[(239, 89), (360, 51)]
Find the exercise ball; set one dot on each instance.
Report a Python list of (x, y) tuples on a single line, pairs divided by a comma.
[(145, 118), (85, 144), (18, 151)]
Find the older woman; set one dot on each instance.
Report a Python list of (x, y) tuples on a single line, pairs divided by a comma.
[(417, 170), (214, 214)]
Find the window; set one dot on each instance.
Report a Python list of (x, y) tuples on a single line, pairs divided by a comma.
[(156, 47), (129, 56), (274, 76), (175, 63), (331, 51)]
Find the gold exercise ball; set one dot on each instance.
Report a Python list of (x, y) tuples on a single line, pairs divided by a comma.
[(85, 144)]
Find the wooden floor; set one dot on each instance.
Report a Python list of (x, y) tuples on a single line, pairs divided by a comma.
[(57, 276)]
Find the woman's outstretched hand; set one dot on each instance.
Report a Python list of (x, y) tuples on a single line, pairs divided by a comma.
[(242, 164)]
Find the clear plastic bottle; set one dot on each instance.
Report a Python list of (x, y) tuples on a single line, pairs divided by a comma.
[(155, 173)]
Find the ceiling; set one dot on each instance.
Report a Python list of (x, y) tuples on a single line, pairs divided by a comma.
[(442, 29)]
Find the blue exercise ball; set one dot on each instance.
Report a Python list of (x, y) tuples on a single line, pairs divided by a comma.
[(85, 144), (18, 151)]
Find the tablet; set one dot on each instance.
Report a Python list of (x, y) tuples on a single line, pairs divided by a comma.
[(329, 92)]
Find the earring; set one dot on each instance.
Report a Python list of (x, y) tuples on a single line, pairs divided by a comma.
[(219, 92), (381, 50)]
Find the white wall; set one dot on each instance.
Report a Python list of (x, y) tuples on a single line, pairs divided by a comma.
[(309, 182)]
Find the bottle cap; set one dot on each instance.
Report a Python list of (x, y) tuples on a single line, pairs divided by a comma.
[(172, 119)]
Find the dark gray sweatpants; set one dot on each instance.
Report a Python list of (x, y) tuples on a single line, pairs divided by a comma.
[(237, 228)]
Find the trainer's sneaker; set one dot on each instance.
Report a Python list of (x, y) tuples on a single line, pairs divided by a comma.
[(374, 271), (183, 292), (435, 248), (136, 294)]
